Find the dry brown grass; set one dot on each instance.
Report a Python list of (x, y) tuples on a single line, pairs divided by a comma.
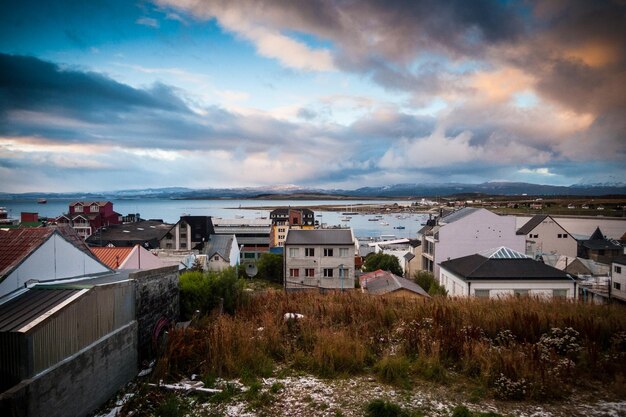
[(497, 343)]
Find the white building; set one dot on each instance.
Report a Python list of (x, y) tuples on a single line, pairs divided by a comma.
[(42, 254), (222, 252), (465, 232), (504, 272), (618, 278), (322, 258), (545, 236)]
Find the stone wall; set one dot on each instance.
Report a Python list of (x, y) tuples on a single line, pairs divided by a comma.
[(157, 297), (79, 384)]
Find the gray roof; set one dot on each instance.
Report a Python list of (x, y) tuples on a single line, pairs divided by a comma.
[(319, 237), (384, 282), (531, 224), (130, 233), (459, 214), (409, 256), (20, 311), (221, 245)]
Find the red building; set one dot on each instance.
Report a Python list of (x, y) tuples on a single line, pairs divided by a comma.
[(88, 216)]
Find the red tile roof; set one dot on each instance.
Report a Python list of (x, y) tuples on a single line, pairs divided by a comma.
[(112, 257), (17, 244)]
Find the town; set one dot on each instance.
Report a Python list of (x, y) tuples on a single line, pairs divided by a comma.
[(92, 284)]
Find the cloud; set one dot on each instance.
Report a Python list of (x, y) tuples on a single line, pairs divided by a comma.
[(537, 171), (148, 21)]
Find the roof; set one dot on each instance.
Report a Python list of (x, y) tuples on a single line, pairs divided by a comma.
[(480, 267), (221, 245), (597, 241), (112, 257), (409, 256), (130, 233), (17, 244), (502, 253), (22, 311), (89, 203), (531, 224), (620, 260), (383, 282), (320, 237), (459, 214), (241, 222), (200, 225)]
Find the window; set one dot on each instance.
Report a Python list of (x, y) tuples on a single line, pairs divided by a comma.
[(564, 235), (309, 272), (183, 245), (249, 255), (560, 235), (535, 236), (343, 252), (309, 251), (293, 252), (520, 293), (481, 293), (559, 293), (617, 269), (216, 258), (294, 272), (281, 237), (95, 209), (617, 286), (328, 252), (281, 230), (78, 209), (328, 272)]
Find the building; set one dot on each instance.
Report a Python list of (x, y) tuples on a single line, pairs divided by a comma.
[(599, 248), (129, 257), (465, 232), (504, 272), (320, 259), (88, 216), (151, 234), (286, 218), (413, 259), (39, 254), (618, 278), (544, 235), (385, 283), (253, 235), (222, 252), (189, 233)]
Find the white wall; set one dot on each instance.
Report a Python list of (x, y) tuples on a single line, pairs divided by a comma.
[(548, 240), (457, 287), (620, 278), (476, 232), (318, 263), (55, 259)]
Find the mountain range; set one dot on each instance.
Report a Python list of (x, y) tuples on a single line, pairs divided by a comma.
[(389, 191)]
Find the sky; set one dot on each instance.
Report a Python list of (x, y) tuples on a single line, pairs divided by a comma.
[(110, 95)]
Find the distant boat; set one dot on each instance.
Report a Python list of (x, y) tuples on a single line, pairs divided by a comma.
[(41, 201), (350, 213), (399, 227), (346, 219), (384, 223), (372, 220), (318, 215)]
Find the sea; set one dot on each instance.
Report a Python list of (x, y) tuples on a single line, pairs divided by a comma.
[(364, 225)]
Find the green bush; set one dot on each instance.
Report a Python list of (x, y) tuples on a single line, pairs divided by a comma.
[(270, 267), (376, 261), (427, 281), (205, 291), (380, 408), (393, 370)]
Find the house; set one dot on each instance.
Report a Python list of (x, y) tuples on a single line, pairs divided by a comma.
[(189, 233), (286, 218), (39, 254), (545, 235), (253, 235), (385, 283), (465, 232), (128, 257), (413, 259), (222, 251), (321, 259), (504, 272), (618, 278), (88, 216), (599, 248), (148, 233)]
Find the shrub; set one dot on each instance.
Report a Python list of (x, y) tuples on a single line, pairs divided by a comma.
[(427, 281), (386, 262), (381, 408), (393, 370), (270, 267), (206, 291)]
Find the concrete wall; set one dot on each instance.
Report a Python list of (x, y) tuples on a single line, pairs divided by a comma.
[(157, 297), (79, 384)]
